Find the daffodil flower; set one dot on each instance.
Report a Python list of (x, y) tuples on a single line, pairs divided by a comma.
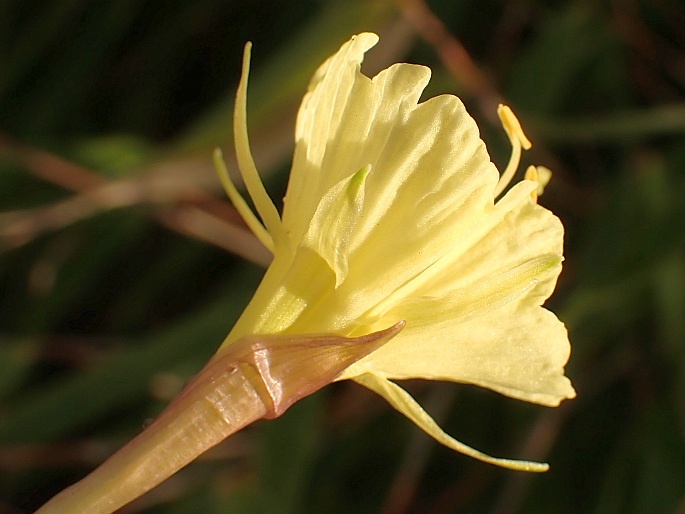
[(393, 259), (391, 213)]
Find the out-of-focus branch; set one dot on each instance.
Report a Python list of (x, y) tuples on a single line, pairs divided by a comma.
[(178, 203), (453, 55), (656, 61), (49, 167)]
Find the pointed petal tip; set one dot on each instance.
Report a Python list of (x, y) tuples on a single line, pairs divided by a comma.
[(367, 344), (384, 334)]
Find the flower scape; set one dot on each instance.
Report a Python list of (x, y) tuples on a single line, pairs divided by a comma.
[(401, 253)]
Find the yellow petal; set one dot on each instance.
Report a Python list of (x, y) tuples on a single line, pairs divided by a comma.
[(318, 122), (476, 317), (490, 293), (265, 207), (515, 232), (430, 172), (404, 403), (505, 237), (240, 204), (516, 350)]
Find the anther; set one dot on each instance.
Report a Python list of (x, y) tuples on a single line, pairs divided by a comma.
[(518, 141)]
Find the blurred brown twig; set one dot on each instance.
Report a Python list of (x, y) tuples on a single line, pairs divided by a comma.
[(453, 55), (177, 202)]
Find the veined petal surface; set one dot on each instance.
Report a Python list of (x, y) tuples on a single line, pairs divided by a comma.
[(430, 171), (390, 215), (479, 320)]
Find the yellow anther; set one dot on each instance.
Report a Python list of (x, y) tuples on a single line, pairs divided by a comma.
[(512, 126), (518, 140), (532, 174), (542, 176)]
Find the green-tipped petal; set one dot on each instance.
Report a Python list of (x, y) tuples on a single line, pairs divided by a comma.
[(517, 246), (332, 228), (476, 316), (321, 119)]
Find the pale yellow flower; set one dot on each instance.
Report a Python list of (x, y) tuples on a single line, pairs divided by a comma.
[(391, 214)]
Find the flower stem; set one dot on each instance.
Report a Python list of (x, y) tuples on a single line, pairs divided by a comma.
[(217, 403), (255, 377)]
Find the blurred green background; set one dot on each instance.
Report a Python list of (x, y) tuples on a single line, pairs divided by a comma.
[(122, 266)]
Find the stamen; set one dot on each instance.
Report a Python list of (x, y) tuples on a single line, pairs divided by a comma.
[(239, 203), (262, 202), (512, 126), (518, 140), (532, 174), (542, 176)]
